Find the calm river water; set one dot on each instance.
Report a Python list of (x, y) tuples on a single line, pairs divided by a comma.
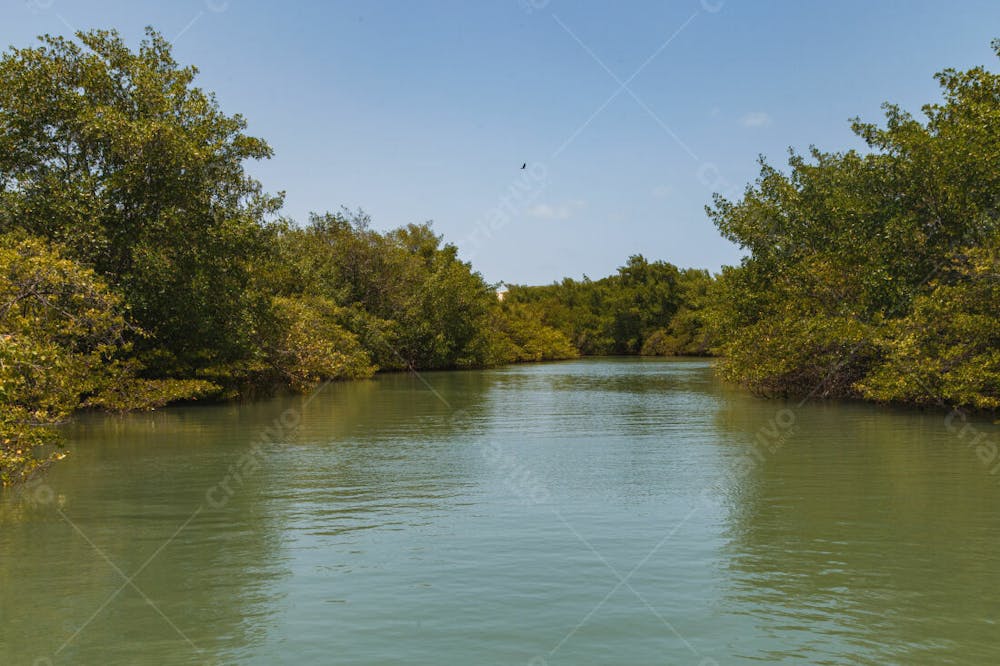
[(616, 511)]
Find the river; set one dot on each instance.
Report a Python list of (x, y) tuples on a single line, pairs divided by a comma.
[(611, 511)]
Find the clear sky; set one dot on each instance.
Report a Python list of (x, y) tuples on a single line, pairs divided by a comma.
[(421, 111)]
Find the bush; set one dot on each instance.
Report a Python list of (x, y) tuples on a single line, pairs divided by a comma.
[(847, 289), (530, 339), (59, 324), (948, 348), (310, 346)]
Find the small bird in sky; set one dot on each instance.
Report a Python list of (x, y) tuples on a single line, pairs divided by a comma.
[(524, 166)]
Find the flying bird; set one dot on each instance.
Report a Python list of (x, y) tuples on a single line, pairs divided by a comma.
[(524, 166)]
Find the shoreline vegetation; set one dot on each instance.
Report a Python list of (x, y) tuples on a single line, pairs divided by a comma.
[(140, 265)]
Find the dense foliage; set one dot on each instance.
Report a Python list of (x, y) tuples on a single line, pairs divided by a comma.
[(115, 155), (652, 308), (140, 264), (405, 296), (61, 330), (874, 275), (58, 324)]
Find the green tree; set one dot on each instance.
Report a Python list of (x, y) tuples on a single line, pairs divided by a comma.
[(620, 313), (116, 155), (947, 349), (405, 295), (309, 345), (526, 338), (688, 332), (61, 331), (847, 255)]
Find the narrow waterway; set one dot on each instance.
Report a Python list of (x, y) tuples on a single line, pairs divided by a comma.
[(605, 511)]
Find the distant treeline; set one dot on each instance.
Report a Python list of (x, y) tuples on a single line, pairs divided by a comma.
[(140, 264), (649, 308)]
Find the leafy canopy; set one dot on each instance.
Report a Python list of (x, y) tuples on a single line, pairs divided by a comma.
[(119, 157), (864, 275)]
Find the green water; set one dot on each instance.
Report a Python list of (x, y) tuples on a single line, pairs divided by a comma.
[(591, 512)]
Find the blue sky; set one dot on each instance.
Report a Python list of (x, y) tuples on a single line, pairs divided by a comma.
[(421, 111)]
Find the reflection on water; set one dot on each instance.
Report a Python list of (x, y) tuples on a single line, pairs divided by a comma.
[(876, 525), (590, 512)]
